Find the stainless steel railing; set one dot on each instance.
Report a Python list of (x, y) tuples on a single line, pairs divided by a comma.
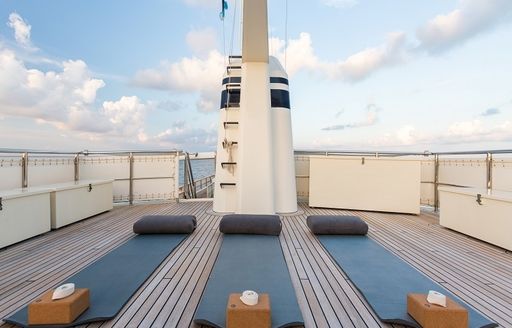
[(25, 154), (202, 187), (434, 179), (437, 157)]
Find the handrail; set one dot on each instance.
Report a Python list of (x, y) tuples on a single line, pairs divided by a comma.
[(88, 152), (398, 153), (359, 153), (489, 160), (297, 152), (25, 154)]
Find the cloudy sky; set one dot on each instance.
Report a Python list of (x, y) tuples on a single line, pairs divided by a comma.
[(364, 74)]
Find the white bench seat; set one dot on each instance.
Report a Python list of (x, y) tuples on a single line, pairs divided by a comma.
[(24, 213), (75, 201), (478, 213)]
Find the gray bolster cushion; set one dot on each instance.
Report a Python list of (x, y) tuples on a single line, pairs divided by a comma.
[(153, 224), (250, 224), (336, 225)]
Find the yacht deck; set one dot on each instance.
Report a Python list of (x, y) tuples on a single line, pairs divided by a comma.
[(479, 273)]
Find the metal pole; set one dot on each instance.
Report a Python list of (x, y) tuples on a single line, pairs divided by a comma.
[(24, 170), (130, 195), (76, 163), (177, 176), (436, 182), (489, 163)]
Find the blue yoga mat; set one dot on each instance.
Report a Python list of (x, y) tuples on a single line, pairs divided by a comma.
[(249, 262), (115, 277), (385, 280)]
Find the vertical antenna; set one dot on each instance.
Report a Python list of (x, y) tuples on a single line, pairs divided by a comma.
[(241, 23), (233, 30), (224, 41), (285, 34)]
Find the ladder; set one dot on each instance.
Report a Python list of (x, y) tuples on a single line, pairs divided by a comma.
[(231, 88)]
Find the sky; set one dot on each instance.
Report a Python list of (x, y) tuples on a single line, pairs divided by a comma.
[(396, 75)]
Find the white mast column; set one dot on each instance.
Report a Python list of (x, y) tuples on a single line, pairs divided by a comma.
[(256, 179), (256, 185)]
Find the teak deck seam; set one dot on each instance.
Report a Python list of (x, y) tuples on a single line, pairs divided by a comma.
[(479, 273)]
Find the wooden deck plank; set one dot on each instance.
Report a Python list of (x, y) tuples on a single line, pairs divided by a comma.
[(335, 279), (479, 273)]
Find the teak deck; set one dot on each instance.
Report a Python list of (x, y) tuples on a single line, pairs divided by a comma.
[(479, 273)]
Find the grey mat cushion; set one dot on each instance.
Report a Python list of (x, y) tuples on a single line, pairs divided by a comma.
[(250, 224), (154, 224), (336, 225), (385, 280), (249, 262), (114, 278)]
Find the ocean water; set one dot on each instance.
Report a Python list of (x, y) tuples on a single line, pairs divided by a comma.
[(200, 168)]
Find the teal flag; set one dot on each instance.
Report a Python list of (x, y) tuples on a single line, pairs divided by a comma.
[(224, 8)]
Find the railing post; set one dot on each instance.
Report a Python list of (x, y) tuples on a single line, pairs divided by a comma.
[(177, 176), (130, 194), (489, 163), (24, 170), (76, 164), (436, 182)]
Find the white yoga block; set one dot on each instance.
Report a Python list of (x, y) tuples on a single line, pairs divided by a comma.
[(25, 213), (75, 201), (368, 184), (490, 220)]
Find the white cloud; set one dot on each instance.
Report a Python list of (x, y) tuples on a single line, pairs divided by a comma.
[(127, 115), (202, 75), (457, 133), (340, 3), (47, 95), (65, 99), (181, 136), (465, 129), (21, 29), (301, 56), (370, 119), (461, 134), (362, 64), (406, 135), (189, 75), (470, 18), (202, 41)]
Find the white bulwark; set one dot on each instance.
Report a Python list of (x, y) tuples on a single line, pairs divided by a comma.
[(255, 170)]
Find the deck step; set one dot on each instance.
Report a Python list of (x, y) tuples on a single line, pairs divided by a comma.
[(232, 106), (227, 184), (233, 68), (225, 144), (227, 164), (226, 124)]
